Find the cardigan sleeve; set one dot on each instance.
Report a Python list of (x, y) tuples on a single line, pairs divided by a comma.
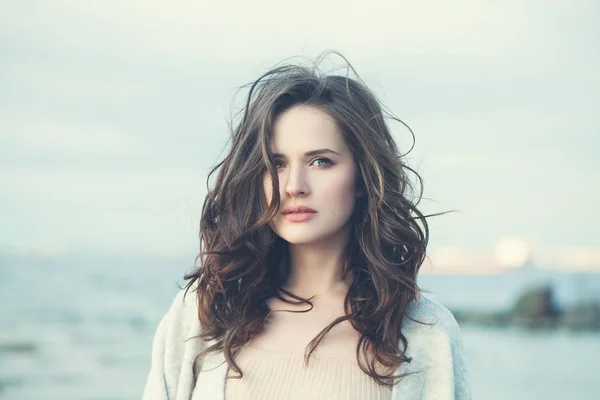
[(462, 389), (155, 388), (438, 370), (174, 350)]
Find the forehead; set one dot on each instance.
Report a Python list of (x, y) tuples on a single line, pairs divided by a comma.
[(304, 128)]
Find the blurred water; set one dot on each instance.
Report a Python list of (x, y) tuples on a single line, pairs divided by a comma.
[(82, 329)]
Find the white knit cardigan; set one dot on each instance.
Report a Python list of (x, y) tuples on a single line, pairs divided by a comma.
[(436, 351)]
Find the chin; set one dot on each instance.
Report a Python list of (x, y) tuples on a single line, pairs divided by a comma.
[(308, 234), (300, 238)]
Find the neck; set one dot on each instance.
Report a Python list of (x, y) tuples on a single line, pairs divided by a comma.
[(316, 269)]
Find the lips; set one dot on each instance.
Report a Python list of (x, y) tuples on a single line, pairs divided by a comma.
[(298, 213), (298, 210)]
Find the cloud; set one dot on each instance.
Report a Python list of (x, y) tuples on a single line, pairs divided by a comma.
[(148, 210), (67, 139), (109, 110), (254, 30), (573, 257), (451, 259)]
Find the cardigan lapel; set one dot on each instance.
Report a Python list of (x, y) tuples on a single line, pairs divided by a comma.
[(210, 384)]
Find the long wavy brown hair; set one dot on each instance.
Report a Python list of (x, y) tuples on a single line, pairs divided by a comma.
[(242, 262)]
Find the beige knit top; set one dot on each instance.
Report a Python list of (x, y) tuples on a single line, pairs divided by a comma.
[(272, 375)]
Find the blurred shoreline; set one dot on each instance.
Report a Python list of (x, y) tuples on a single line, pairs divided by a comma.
[(82, 328), (537, 309)]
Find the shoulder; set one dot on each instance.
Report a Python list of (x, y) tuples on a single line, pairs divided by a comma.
[(183, 312), (432, 333), (428, 316), (179, 324), (185, 301)]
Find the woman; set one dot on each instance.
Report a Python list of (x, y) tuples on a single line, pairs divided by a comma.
[(310, 249)]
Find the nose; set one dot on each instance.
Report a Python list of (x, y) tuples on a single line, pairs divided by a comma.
[(297, 184)]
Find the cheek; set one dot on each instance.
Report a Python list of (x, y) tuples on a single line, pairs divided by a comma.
[(341, 193)]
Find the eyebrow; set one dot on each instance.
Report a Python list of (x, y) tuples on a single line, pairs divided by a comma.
[(311, 153)]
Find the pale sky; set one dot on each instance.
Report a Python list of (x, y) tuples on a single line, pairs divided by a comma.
[(111, 113)]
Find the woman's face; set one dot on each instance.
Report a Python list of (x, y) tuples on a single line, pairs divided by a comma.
[(316, 169)]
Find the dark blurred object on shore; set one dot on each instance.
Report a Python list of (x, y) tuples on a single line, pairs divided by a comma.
[(536, 308)]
